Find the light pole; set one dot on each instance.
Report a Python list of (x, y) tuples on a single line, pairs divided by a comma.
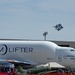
[(44, 34)]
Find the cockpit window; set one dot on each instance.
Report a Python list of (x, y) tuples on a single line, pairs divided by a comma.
[(72, 50)]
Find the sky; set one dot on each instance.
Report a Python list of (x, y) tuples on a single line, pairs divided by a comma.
[(29, 19)]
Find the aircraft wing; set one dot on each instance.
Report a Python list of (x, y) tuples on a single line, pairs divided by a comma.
[(16, 62)]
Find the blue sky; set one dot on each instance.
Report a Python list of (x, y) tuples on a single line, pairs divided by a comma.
[(29, 19)]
